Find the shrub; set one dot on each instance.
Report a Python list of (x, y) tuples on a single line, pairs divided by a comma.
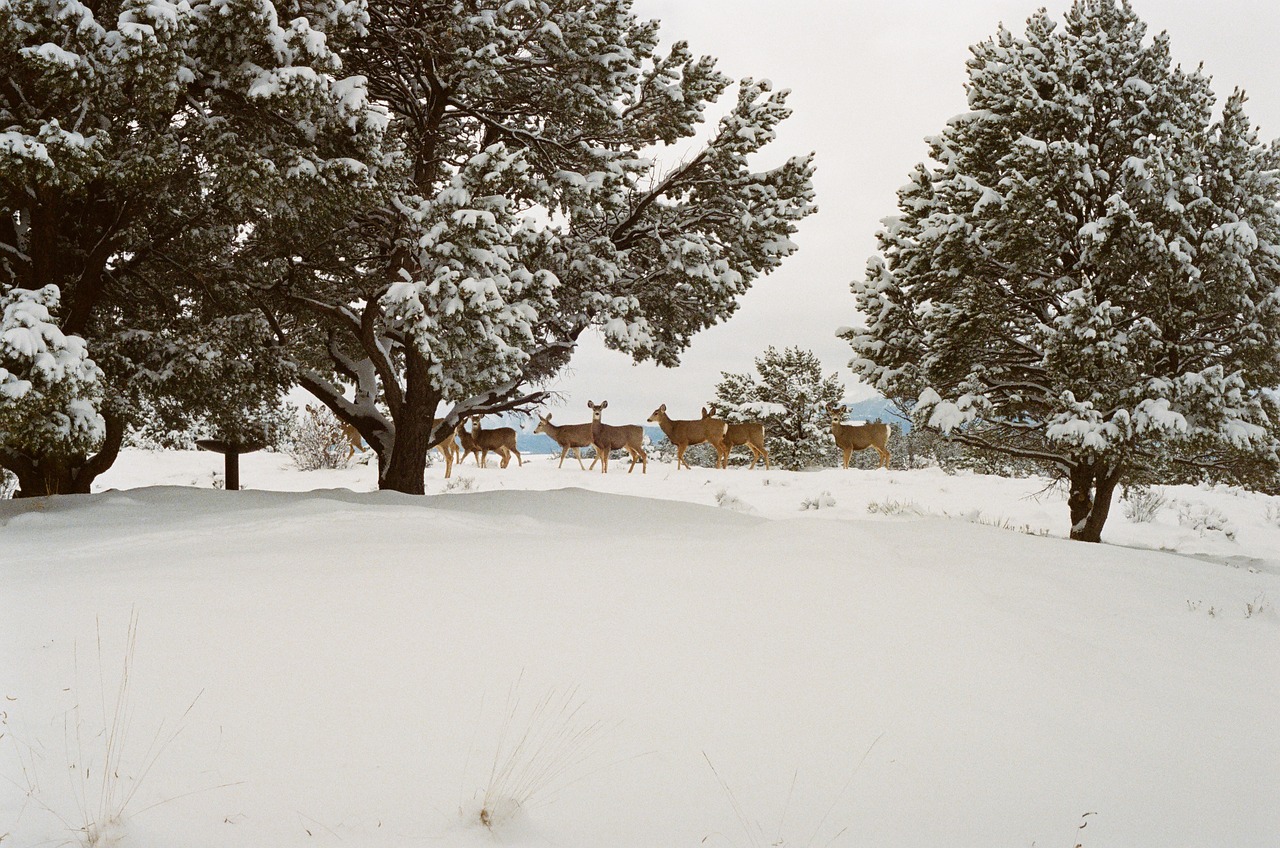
[(319, 440), (1141, 504)]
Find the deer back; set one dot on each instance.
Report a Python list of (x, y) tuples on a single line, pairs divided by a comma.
[(610, 437), (748, 433), (861, 436)]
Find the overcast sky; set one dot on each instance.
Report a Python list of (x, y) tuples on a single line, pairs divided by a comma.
[(869, 81)]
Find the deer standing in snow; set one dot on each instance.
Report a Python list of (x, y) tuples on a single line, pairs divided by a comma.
[(606, 438), (500, 440), (749, 433), (684, 433), (857, 437), (573, 437), (449, 450)]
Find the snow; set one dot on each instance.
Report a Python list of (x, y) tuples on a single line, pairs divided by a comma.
[(836, 657)]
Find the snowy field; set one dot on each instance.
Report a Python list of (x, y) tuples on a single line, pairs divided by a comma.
[(543, 657)]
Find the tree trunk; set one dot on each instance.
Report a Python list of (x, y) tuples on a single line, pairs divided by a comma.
[(41, 476), (405, 469), (1092, 486)]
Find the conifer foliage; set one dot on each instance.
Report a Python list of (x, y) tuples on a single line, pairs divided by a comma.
[(141, 142), (790, 396), (1087, 273), (528, 202)]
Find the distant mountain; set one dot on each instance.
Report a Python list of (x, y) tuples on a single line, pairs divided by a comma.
[(878, 407), (529, 442)]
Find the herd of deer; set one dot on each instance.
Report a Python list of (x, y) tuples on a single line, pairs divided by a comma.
[(606, 438)]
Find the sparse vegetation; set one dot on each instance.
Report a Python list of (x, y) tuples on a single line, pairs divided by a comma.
[(460, 484), (823, 500), (892, 506), (536, 751), (317, 440), (1204, 519), (1141, 504)]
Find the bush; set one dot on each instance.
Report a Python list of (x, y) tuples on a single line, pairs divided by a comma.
[(1204, 519), (1141, 504), (319, 440)]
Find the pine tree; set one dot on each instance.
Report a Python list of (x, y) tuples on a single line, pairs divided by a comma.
[(790, 396), (143, 141), (525, 205), (1087, 274)]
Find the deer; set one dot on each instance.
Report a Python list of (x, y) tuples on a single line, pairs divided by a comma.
[(450, 451), (500, 440), (573, 437), (685, 433), (606, 438), (857, 437), (749, 433)]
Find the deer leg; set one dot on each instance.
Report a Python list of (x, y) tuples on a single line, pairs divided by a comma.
[(563, 451), (578, 453), (680, 449), (884, 456), (519, 459)]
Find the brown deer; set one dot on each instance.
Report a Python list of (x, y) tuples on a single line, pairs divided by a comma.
[(500, 440), (573, 437), (684, 433), (749, 433), (857, 437), (606, 438), (450, 451)]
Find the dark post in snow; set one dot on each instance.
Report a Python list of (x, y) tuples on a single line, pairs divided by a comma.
[(231, 451)]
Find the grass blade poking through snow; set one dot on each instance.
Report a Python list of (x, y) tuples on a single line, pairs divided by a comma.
[(554, 739)]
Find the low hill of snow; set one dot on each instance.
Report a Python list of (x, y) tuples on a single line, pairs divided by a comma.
[(542, 657)]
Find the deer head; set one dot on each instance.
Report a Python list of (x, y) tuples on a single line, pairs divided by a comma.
[(596, 409)]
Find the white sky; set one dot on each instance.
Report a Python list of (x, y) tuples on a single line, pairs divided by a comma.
[(869, 81)]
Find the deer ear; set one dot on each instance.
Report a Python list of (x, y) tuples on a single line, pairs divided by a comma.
[(604, 404), (548, 416), (662, 408), (591, 405)]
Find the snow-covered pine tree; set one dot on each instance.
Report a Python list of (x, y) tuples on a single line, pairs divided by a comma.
[(1088, 272), (790, 396), (531, 207), (140, 142)]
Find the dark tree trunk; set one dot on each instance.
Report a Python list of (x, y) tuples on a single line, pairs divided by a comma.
[(42, 476), (1092, 487), (405, 469)]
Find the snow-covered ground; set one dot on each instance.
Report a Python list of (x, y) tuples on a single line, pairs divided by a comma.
[(670, 659)]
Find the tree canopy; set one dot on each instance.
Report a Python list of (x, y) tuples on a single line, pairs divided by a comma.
[(789, 395), (1087, 272)]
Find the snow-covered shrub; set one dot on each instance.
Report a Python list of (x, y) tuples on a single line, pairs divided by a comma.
[(8, 483), (725, 500), (1141, 504), (891, 506), (49, 387), (824, 500), (1204, 519), (319, 440)]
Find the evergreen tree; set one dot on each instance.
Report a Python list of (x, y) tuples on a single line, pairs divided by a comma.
[(141, 142), (790, 396), (1087, 274), (525, 205)]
